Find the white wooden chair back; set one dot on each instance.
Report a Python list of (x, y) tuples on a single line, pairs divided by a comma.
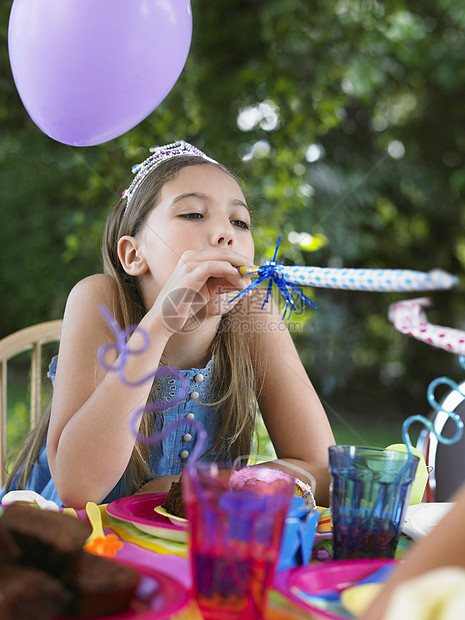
[(30, 338)]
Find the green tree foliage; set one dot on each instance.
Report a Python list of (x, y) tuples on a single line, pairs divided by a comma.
[(346, 120)]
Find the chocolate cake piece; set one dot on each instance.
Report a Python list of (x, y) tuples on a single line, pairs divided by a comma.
[(174, 503), (51, 541), (101, 587), (26, 592), (9, 550)]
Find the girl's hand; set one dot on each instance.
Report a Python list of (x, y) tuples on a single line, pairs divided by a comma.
[(200, 286)]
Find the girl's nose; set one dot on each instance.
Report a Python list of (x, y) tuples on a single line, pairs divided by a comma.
[(225, 239), (222, 234)]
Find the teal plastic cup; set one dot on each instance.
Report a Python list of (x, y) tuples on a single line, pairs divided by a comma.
[(370, 494)]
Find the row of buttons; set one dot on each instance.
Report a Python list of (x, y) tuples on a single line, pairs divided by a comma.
[(190, 416)]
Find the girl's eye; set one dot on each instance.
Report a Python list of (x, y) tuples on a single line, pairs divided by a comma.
[(241, 224), (192, 216)]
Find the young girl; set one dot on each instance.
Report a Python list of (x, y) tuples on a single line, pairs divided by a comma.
[(171, 249)]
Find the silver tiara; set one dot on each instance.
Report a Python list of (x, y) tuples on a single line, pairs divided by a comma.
[(159, 155)]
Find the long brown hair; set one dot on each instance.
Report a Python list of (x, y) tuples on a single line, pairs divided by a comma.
[(234, 377)]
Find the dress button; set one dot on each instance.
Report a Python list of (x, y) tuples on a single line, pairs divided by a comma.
[(198, 377), (187, 437), (184, 454), (194, 395), (190, 416)]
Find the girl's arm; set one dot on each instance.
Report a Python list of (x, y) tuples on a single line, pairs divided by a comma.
[(293, 414), (444, 546), (89, 444)]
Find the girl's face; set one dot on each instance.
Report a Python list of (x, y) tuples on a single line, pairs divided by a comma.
[(202, 208)]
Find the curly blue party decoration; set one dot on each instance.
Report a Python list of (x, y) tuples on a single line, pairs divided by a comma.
[(439, 409), (428, 424)]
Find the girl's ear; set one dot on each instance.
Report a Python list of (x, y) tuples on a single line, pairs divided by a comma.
[(130, 256)]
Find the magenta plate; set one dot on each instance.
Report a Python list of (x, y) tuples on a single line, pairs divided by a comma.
[(317, 579), (140, 511), (158, 596)]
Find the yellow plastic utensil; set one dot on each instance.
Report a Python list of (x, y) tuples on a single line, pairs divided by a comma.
[(357, 598), (95, 518), (70, 511), (99, 543)]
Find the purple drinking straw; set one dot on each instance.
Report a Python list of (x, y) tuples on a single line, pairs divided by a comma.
[(124, 351)]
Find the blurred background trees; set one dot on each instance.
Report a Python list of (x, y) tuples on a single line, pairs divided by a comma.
[(346, 120)]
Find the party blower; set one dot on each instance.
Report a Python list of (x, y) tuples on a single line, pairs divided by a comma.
[(289, 278)]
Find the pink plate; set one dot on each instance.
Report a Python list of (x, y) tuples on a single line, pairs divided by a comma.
[(318, 579), (157, 597), (140, 511)]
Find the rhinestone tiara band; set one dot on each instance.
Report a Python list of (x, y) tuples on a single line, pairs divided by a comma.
[(158, 155)]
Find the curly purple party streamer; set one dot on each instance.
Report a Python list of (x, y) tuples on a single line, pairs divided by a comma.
[(123, 354)]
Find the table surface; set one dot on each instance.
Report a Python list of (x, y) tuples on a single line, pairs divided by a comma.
[(172, 559)]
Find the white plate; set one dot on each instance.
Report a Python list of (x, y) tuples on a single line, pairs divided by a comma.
[(421, 518)]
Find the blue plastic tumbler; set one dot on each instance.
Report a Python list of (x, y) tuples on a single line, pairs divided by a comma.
[(370, 493)]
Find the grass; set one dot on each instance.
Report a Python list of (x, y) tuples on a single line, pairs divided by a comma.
[(18, 413), (18, 417), (362, 434)]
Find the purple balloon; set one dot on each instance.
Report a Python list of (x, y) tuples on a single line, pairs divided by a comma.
[(89, 70)]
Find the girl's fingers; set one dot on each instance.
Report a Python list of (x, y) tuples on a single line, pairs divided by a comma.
[(234, 258), (215, 269)]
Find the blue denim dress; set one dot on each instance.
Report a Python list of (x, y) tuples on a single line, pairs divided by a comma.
[(168, 456)]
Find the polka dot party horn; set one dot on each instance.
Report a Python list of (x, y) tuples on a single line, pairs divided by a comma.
[(288, 278), (408, 317)]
